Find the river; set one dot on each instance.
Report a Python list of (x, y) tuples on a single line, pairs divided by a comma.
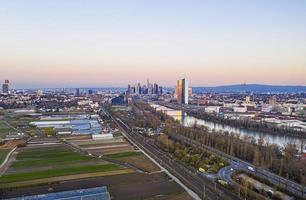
[(187, 120)]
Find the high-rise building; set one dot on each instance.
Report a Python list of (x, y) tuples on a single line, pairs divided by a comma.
[(148, 83), (182, 91), (155, 88), (77, 92), (273, 101), (248, 99), (138, 88), (5, 87), (160, 90), (129, 89)]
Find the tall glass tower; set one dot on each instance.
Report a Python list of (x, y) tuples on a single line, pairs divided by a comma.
[(182, 91)]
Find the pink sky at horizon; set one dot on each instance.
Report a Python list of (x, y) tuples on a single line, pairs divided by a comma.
[(76, 43)]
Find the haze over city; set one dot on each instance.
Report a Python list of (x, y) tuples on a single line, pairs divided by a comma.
[(108, 43)]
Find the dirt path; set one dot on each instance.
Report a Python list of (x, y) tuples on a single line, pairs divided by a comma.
[(7, 163)]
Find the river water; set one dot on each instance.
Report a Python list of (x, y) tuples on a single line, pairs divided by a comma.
[(187, 120)]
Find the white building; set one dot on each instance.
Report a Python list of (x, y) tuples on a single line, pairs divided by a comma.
[(266, 108), (240, 109), (212, 109)]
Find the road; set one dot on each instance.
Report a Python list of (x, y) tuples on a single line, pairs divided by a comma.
[(291, 186), (202, 186), (10, 158), (275, 179)]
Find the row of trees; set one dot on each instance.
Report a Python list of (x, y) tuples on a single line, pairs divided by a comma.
[(261, 154), (195, 157), (268, 156)]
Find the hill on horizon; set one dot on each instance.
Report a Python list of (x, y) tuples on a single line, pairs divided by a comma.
[(255, 88)]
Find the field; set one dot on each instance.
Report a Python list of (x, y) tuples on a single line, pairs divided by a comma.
[(135, 159), (42, 162), (3, 154), (4, 129), (124, 154), (117, 150), (80, 162), (124, 186), (17, 120), (16, 177), (48, 156), (103, 147), (38, 167)]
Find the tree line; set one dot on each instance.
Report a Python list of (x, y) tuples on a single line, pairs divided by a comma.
[(265, 155)]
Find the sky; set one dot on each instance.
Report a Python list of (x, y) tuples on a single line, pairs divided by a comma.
[(97, 43)]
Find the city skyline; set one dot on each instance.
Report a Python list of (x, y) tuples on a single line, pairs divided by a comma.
[(104, 44)]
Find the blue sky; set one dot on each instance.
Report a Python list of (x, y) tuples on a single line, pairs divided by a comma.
[(110, 43)]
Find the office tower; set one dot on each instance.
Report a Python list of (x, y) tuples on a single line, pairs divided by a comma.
[(90, 92), (150, 88), (273, 101), (144, 89), (77, 92), (5, 87), (160, 90), (138, 88), (155, 88), (133, 90), (182, 91), (247, 99), (129, 89)]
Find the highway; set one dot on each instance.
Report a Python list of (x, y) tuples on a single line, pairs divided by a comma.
[(238, 164), (199, 184)]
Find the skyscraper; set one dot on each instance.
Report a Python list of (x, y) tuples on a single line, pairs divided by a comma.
[(77, 92), (160, 90), (5, 87), (129, 89), (273, 101), (182, 91), (155, 88)]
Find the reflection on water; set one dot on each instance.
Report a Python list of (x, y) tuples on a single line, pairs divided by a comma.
[(187, 120)]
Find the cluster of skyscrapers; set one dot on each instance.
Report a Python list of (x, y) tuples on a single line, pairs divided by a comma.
[(148, 89)]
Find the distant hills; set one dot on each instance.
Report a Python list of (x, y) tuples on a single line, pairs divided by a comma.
[(255, 88)]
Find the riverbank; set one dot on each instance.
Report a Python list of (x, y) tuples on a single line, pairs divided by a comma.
[(188, 120), (248, 125)]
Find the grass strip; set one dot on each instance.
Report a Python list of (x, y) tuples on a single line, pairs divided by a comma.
[(3, 154), (64, 178), (57, 172), (52, 161), (123, 154)]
